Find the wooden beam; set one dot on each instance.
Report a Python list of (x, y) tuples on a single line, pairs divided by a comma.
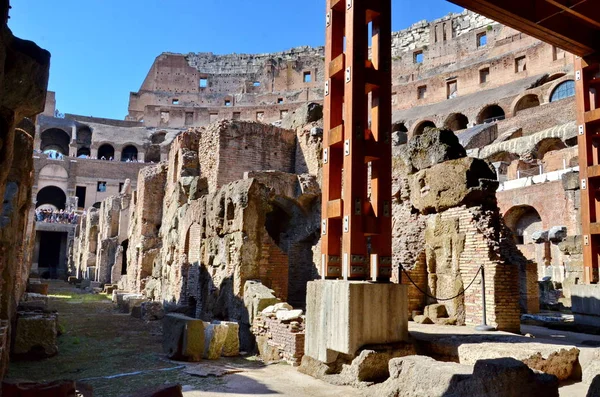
[(529, 17), (578, 11)]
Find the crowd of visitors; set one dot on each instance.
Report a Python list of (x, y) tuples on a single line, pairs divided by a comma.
[(56, 216)]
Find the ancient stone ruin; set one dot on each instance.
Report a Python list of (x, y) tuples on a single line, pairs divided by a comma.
[(200, 219)]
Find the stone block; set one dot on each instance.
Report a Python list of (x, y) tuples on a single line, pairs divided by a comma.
[(231, 346), (268, 353), (540, 236), (257, 297), (423, 376), (558, 360), (35, 335), (127, 301), (288, 315), (422, 319), (72, 280), (432, 147), (342, 316), (453, 183), (152, 311), (183, 337), (570, 180), (436, 311), (115, 295), (38, 288), (556, 234), (30, 297), (585, 299), (215, 336), (95, 284)]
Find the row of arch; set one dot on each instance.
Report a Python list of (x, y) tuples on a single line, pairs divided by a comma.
[(54, 197), (494, 112), (57, 140)]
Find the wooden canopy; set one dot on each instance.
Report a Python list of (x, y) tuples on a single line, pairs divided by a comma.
[(573, 25)]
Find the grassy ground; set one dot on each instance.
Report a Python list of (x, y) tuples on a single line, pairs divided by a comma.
[(97, 342)]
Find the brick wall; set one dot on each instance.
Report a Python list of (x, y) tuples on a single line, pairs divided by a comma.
[(289, 341), (274, 267)]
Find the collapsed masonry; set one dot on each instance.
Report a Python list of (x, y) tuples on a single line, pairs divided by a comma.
[(230, 226), (447, 225), (24, 69)]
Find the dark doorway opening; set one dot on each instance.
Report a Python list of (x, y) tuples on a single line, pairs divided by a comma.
[(80, 193), (125, 245), (51, 244)]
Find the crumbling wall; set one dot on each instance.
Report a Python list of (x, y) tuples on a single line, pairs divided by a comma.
[(24, 69), (113, 224), (448, 220), (145, 222), (86, 244)]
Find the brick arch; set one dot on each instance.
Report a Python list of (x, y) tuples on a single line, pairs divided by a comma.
[(420, 126), (547, 145), (523, 220), (525, 101), (456, 122), (490, 112), (55, 139)]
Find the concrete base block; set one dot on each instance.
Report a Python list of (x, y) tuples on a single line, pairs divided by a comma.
[(343, 316), (585, 301)]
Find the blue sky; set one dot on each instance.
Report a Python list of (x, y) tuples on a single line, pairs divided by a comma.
[(102, 49)]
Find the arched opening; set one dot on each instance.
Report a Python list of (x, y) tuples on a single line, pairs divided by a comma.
[(420, 128), (456, 122), (55, 139), (527, 102), (125, 245), (501, 161), (491, 113), (564, 90), (548, 145), (83, 152), (106, 152), (523, 221), (158, 137), (52, 195), (129, 153)]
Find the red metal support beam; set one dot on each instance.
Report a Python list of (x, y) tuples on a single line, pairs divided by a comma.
[(587, 84), (356, 210)]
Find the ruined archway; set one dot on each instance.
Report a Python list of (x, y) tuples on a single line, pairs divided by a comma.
[(52, 195), (456, 122), (55, 139), (129, 153), (548, 145), (523, 221), (420, 128), (491, 113), (106, 152), (526, 102)]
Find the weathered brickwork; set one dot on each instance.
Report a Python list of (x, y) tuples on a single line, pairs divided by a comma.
[(286, 340)]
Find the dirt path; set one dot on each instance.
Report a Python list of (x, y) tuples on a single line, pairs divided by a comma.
[(118, 354)]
